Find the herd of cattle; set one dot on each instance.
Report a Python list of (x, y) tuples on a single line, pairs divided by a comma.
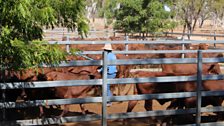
[(89, 72)]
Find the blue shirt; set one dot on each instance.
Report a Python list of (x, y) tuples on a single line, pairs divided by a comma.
[(111, 69)]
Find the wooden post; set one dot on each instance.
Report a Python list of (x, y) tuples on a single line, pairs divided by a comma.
[(199, 83), (104, 90)]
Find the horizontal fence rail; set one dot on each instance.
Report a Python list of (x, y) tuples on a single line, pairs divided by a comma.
[(140, 61), (112, 98), (152, 51), (194, 34), (95, 117), (45, 84), (127, 42), (59, 33), (138, 42)]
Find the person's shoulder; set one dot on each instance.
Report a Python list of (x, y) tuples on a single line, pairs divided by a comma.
[(113, 54)]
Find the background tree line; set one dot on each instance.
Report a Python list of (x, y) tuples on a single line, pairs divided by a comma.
[(22, 23), (145, 16)]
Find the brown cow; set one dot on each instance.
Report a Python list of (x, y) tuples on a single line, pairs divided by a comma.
[(213, 68), (150, 88), (61, 73), (209, 68), (191, 68), (20, 76), (70, 92), (10, 94), (168, 87), (208, 85)]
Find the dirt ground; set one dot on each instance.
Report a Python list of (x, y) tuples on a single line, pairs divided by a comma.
[(116, 108), (121, 108)]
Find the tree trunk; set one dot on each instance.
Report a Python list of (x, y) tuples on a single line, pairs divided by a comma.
[(201, 23), (189, 30), (184, 30), (194, 24)]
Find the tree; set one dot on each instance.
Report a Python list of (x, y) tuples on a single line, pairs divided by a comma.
[(190, 11), (217, 13), (142, 16), (21, 30)]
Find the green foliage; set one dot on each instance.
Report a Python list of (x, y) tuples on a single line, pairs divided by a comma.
[(21, 30), (146, 16), (17, 55)]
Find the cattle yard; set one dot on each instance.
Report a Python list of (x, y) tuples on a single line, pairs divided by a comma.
[(141, 55)]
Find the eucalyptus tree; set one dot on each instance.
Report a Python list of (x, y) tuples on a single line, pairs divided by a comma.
[(143, 16), (189, 11), (217, 13), (21, 30), (205, 13)]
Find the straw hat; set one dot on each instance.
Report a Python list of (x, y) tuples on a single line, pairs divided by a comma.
[(107, 47)]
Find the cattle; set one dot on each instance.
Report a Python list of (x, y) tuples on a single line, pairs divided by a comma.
[(153, 88), (20, 76), (70, 92), (168, 87), (10, 94), (207, 85), (39, 74), (150, 88), (191, 102), (62, 73), (208, 68), (191, 68)]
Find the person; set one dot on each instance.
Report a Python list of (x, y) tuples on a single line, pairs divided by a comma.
[(111, 69)]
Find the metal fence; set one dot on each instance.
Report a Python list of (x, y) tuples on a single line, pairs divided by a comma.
[(102, 82), (59, 33), (126, 40)]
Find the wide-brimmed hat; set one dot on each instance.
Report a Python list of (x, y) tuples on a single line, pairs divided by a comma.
[(107, 47)]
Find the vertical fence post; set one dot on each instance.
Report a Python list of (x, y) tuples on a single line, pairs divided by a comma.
[(107, 33), (126, 44), (114, 33), (3, 92), (214, 38), (67, 45), (3, 77), (3, 109), (183, 47), (104, 90), (199, 86)]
